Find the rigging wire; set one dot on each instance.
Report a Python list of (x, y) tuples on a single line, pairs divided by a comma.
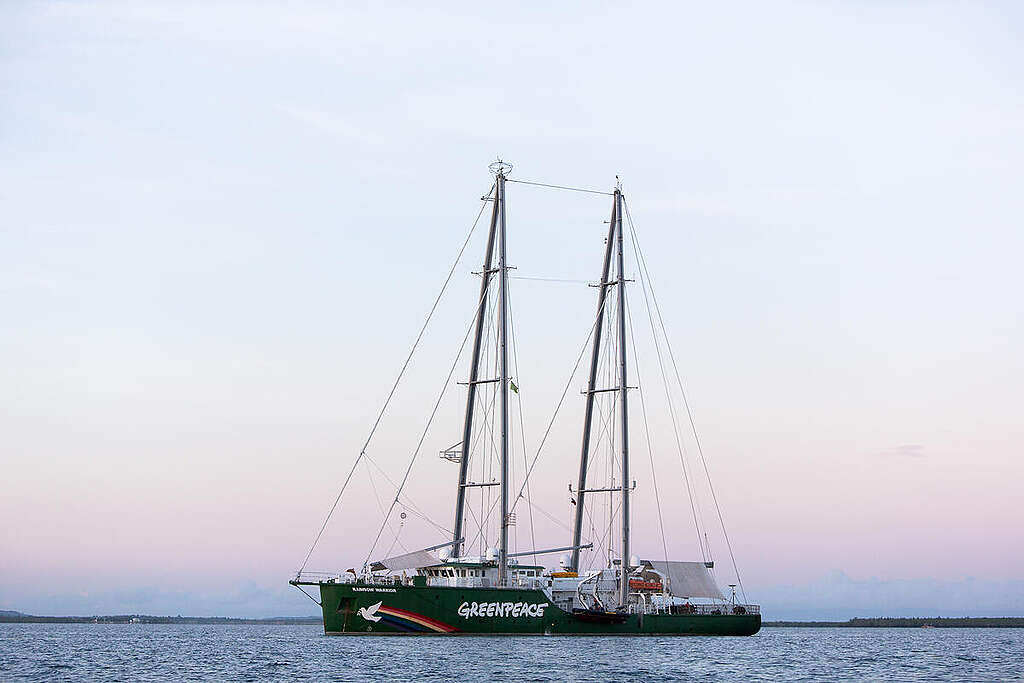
[(380, 504), (423, 436), (558, 407), (554, 415), (604, 425), (689, 413), (548, 515), (401, 373), (690, 486), (538, 278), (485, 437), (607, 536), (559, 187), (599, 549), (407, 502), (647, 433), (491, 449), (614, 462), (522, 428), (391, 548)]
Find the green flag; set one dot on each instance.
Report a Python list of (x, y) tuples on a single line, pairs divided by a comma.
[(513, 385)]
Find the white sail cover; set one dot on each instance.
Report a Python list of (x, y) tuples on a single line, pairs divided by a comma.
[(688, 579), (413, 560)]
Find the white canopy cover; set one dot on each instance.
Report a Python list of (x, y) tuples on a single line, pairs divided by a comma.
[(413, 560), (688, 579)]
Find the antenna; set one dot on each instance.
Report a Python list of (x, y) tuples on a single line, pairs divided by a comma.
[(500, 168)]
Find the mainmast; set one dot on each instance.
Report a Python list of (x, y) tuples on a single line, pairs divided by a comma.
[(503, 362), (614, 242), (588, 413), (623, 393)]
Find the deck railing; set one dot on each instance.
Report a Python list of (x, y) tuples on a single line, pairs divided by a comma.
[(334, 577), (713, 609)]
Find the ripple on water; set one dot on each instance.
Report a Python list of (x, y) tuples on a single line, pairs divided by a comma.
[(107, 652)]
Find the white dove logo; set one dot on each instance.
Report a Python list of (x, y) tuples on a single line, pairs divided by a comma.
[(370, 613)]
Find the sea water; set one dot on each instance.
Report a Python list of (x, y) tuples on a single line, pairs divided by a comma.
[(139, 652)]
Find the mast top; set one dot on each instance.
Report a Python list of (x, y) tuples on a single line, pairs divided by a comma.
[(500, 167)]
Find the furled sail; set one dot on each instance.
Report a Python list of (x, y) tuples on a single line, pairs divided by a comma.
[(688, 579)]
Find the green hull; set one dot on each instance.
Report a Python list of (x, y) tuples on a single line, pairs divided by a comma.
[(353, 609)]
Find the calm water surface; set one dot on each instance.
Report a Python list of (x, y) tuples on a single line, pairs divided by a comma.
[(48, 652)]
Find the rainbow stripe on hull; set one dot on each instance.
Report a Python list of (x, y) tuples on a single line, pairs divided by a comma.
[(411, 622)]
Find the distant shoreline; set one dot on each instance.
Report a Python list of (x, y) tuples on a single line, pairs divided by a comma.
[(907, 622), (148, 619), (860, 622)]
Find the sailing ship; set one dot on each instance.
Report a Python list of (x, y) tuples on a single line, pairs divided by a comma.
[(449, 588)]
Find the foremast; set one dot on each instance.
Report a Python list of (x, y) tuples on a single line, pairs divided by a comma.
[(496, 233), (474, 371)]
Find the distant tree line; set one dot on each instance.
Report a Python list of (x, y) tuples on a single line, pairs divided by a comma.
[(911, 622), (147, 619)]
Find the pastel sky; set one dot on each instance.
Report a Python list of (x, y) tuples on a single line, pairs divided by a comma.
[(221, 225)]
